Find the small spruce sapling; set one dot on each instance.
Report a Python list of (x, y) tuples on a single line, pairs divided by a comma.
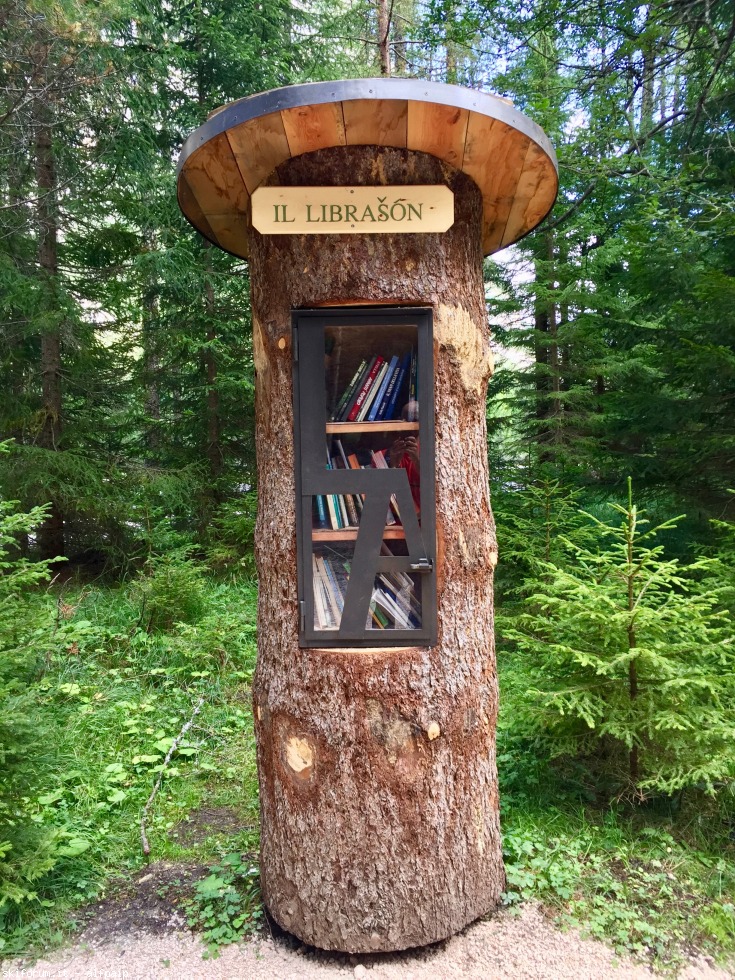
[(26, 850), (629, 655)]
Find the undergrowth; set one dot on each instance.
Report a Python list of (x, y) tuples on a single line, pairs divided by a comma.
[(116, 688), (114, 694), (656, 881)]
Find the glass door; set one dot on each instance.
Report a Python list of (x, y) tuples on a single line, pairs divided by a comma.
[(364, 438)]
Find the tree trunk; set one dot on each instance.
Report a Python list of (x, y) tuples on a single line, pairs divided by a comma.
[(214, 447), (152, 370), (51, 532), (377, 833), (384, 36)]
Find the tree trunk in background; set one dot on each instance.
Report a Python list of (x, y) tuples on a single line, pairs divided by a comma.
[(151, 368), (546, 350), (51, 532), (384, 36), (214, 448), (387, 838)]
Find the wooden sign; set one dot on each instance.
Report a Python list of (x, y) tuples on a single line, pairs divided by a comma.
[(353, 210)]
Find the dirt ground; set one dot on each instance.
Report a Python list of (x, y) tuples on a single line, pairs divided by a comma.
[(140, 934)]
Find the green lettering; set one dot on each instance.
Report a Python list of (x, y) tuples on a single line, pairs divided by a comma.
[(308, 214), (398, 204), (280, 209), (350, 212), (335, 212), (417, 209), (368, 212)]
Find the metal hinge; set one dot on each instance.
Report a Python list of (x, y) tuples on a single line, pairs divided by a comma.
[(423, 566), (302, 608)]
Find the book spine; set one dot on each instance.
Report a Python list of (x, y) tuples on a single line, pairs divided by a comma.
[(347, 504), (365, 389), (321, 510), (335, 611), (393, 516), (334, 586), (413, 391), (320, 619), (385, 401), (372, 393), (400, 378), (351, 510), (378, 616), (349, 390), (380, 394), (341, 576), (358, 388)]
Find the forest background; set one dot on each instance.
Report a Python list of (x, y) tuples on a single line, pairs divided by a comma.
[(128, 480)]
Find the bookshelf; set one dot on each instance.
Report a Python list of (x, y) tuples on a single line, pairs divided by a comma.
[(365, 476)]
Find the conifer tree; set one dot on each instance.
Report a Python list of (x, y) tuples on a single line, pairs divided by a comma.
[(631, 661)]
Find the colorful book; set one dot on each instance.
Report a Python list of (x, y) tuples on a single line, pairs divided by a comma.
[(349, 391), (322, 614), (390, 370), (387, 409), (372, 393), (349, 404), (347, 464), (362, 395), (346, 498), (380, 463), (321, 511), (334, 608)]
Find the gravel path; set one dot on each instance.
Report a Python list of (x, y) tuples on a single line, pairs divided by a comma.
[(507, 946)]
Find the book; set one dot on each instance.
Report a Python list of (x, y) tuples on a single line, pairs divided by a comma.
[(387, 603), (339, 571), (329, 589), (322, 515), (401, 593), (349, 391), (413, 390), (335, 585), (335, 504), (379, 462), (377, 617), (357, 389), (322, 613), (362, 394), (347, 464), (347, 499), (335, 515), (372, 393), (391, 394), (387, 375)]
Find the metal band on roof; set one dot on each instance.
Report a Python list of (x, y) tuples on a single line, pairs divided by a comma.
[(507, 155)]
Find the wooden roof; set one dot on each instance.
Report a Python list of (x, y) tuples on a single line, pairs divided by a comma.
[(508, 156)]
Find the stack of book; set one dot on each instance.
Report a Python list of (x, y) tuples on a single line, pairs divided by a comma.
[(373, 394), (393, 604), (342, 510)]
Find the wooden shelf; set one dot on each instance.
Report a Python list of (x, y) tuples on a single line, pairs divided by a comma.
[(399, 426), (350, 534)]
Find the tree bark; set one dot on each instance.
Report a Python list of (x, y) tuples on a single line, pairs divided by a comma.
[(384, 36), (51, 532), (214, 445), (377, 833)]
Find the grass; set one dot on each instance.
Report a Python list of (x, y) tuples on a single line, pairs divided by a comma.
[(657, 882), (117, 691), (117, 696)]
